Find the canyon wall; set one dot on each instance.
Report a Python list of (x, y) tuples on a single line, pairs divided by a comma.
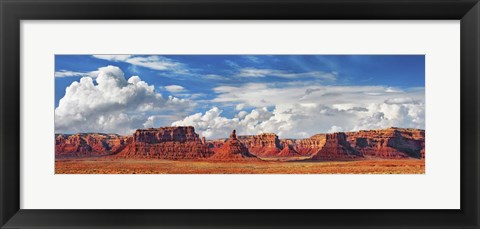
[(172, 143), (176, 143), (308, 146), (262, 145), (335, 148), (88, 144), (389, 143)]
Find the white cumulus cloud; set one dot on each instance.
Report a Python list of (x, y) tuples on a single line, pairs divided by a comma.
[(111, 103), (174, 88), (213, 125), (239, 106), (299, 110)]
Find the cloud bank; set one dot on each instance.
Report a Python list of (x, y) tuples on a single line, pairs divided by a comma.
[(299, 110), (112, 104), (216, 95)]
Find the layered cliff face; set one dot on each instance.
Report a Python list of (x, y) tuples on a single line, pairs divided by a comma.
[(88, 145), (288, 151), (166, 134), (336, 147), (262, 145), (310, 146), (176, 143), (389, 143), (172, 143), (232, 150)]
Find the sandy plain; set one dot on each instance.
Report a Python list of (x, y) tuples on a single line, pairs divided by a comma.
[(268, 166)]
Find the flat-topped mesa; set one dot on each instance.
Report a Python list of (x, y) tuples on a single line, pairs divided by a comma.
[(88, 144), (166, 134), (171, 143), (232, 150), (262, 145), (336, 148), (389, 143)]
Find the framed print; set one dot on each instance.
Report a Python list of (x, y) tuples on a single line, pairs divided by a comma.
[(186, 127), (239, 114)]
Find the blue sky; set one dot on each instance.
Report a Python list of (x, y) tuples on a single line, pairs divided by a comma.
[(231, 85)]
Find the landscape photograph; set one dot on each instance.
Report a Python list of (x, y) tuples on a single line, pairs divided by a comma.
[(239, 114)]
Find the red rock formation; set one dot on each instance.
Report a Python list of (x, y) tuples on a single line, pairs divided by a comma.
[(232, 150), (336, 148), (389, 143), (262, 145), (215, 143), (88, 145), (310, 146), (267, 145), (166, 134), (288, 151), (171, 143), (175, 143)]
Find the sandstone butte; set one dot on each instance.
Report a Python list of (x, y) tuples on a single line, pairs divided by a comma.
[(171, 143), (232, 150), (182, 143)]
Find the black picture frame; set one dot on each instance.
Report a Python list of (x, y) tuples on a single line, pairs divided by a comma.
[(13, 11)]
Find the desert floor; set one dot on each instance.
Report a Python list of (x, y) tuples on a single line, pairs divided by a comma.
[(152, 166)]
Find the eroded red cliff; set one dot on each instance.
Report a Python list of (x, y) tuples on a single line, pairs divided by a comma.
[(232, 150), (389, 143), (288, 151), (172, 143), (310, 146), (262, 145), (336, 147), (88, 144), (177, 143)]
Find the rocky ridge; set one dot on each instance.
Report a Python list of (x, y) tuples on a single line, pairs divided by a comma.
[(389, 143), (178, 143), (336, 148), (232, 150), (262, 145), (88, 144), (172, 143)]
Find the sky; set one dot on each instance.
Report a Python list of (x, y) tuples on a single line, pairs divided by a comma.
[(294, 96)]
